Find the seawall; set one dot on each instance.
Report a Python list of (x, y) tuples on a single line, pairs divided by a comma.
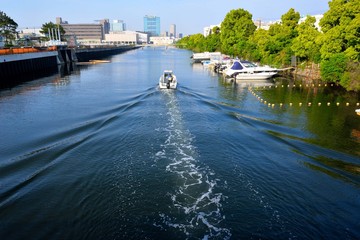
[(24, 64), (17, 68), (86, 54)]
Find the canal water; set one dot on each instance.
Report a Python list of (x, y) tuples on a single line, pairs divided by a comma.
[(102, 153)]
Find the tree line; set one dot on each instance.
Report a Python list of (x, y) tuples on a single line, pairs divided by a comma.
[(335, 46)]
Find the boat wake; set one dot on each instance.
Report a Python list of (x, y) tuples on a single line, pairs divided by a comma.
[(196, 209)]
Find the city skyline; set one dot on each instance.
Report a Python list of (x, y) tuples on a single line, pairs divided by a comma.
[(190, 16)]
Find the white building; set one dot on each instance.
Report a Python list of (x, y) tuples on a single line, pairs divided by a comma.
[(207, 30), (318, 17), (266, 25), (126, 37), (31, 33), (162, 40), (143, 37)]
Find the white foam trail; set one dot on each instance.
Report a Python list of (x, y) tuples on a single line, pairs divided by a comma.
[(198, 208)]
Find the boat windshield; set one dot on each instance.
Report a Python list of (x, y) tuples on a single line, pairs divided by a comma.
[(248, 64), (236, 66)]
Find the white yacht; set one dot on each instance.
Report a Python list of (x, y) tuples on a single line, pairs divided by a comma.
[(246, 70)]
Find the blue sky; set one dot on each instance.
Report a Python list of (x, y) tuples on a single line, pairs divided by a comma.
[(190, 16)]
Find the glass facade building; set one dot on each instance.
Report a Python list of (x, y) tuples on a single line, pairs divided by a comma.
[(152, 25), (117, 26)]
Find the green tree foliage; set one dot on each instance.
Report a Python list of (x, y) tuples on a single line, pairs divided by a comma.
[(332, 69), (212, 42), (341, 28), (236, 29), (198, 43), (281, 36), (340, 43), (257, 46), (49, 26), (305, 45), (7, 28)]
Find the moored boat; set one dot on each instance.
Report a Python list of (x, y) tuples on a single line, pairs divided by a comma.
[(168, 80), (246, 70)]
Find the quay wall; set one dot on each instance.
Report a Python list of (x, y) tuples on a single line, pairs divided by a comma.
[(19, 65), (86, 54), (17, 68)]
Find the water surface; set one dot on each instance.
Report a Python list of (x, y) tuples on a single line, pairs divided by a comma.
[(102, 153)]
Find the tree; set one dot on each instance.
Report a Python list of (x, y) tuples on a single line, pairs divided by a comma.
[(50, 26), (280, 37), (7, 27), (332, 69), (257, 45), (341, 27), (213, 42), (236, 29), (305, 45)]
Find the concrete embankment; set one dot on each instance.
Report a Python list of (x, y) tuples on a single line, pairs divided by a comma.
[(16, 68), (18, 65), (86, 54)]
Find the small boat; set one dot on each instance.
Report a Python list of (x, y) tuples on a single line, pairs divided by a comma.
[(246, 70), (357, 111), (168, 80)]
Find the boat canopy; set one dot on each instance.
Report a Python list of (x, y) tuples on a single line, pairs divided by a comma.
[(236, 66)]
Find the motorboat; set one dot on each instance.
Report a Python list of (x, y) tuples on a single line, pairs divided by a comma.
[(357, 111), (246, 70), (168, 80)]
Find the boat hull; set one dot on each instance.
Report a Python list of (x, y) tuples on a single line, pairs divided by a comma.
[(245, 70), (166, 86), (254, 76)]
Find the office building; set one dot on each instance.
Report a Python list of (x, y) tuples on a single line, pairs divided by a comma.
[(172, 31), (152, 25), (106, 25), (117, 26), (85, 32)]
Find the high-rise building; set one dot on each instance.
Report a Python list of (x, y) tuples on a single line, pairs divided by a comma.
[(117, 26), (172, 31), (152, 25), (106, 25)]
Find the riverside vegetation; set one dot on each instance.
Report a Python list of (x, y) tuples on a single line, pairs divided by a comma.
[(335, 48)]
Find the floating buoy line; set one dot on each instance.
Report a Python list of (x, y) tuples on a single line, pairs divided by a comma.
[(300, 104)]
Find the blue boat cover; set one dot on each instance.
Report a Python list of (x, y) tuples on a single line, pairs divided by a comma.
[(236, 66)]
